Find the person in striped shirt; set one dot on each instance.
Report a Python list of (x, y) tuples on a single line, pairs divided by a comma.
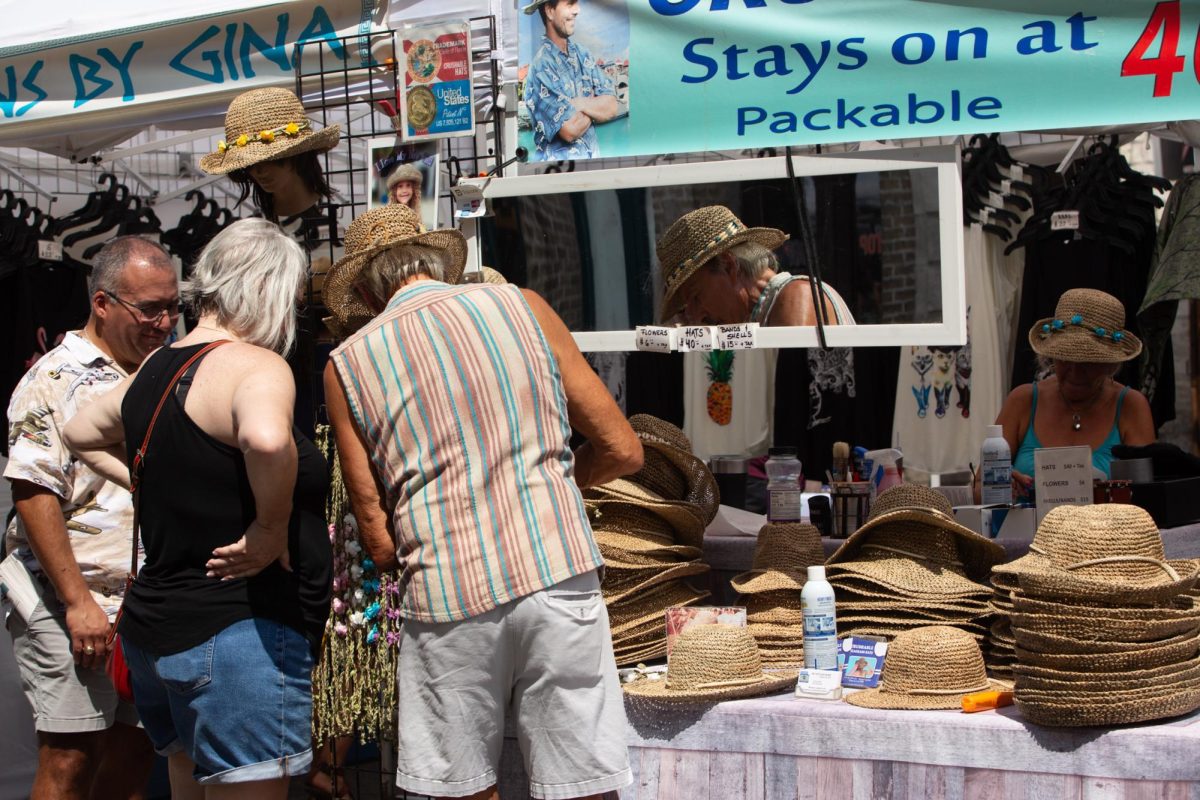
[(452, 408)]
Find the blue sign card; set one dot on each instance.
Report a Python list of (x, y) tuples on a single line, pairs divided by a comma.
[(861, 661)]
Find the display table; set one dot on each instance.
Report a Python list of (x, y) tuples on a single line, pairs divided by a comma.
[(780, 747)]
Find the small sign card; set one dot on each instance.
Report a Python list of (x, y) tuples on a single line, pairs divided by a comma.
[(49, 250), (1064, 221), (1062, 476), (819, 684), (696, 337), (654, 338), (737, 337), (861, 661), (680, 618), (469, 197)]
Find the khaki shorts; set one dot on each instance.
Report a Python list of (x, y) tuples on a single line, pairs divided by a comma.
[(547, 661), (65, 698)]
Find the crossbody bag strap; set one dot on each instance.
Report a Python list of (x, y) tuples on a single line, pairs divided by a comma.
[(135, 471)]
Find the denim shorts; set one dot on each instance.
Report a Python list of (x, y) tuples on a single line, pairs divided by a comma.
[(239, 705)]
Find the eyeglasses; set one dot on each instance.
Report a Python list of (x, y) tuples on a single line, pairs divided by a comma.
[(151, 313)]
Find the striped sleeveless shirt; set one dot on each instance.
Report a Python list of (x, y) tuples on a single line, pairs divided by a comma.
[(460, 401)]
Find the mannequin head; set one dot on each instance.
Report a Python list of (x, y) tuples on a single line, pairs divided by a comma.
[(297, 181)]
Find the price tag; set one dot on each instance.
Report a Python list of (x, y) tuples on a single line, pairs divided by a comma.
[(469, 197), (1062, 476), (1006, 186), (1064, 221), (654, 338), (49, 251), (696, 337), (995, 199), (737, 337)]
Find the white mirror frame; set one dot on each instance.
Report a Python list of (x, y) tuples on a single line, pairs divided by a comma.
[(952, 330)]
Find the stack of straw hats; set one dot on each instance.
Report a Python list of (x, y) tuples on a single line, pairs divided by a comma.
[(771, 590), (911, 565), (1107, 630), (1001, 646), (930, 667), (710, 663), (650, 528)]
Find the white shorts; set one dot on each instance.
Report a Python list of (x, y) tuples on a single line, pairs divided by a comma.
[(547, 660)]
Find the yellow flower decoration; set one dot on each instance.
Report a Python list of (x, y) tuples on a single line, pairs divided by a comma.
[(221, 146), (291, 129), (242, 140), (266, 136)]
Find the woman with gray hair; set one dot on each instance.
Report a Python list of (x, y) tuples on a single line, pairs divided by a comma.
[(221, 625)]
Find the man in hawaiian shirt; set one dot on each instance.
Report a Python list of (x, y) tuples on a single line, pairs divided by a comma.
[(72, 531), (566, 91)]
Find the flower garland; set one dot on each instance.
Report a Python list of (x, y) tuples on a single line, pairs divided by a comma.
[(354, 680), (265, 136)]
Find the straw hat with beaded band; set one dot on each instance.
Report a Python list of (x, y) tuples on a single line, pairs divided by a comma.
[(712, 663), (265, 125), (370, 234), (696, 238), (1087, 326), (928, 668)]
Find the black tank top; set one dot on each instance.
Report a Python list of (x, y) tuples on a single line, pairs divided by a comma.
[(195, 496)]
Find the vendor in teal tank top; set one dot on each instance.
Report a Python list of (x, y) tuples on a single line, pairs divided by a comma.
[(1079, 402)]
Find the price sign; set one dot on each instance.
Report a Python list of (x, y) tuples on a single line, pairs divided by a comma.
[(654, 338), (49, 251), (1064, 221), (1062, 476), (696, 337), (737, 337)]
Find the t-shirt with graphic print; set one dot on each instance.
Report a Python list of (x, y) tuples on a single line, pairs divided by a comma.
[(98, 514), (554, 79)]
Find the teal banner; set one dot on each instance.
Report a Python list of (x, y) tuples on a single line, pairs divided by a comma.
[(605, 78)]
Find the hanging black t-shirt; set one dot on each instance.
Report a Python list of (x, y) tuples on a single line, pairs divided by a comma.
[(196, 496)]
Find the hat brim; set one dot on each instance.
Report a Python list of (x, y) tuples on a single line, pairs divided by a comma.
[(769, 238), (770, 683), (978, 554), (638, 579), (1077, 344), (349, 310), (1111, 708), (759, 581), (912, 579), (255, 152), (1050, 582), (879, 698), (702, 488)]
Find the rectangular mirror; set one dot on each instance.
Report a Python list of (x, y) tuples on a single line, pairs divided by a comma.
[(886, 226)]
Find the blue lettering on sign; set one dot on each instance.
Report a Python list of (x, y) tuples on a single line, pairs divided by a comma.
[(121, 65), (671, 8), (320, 28), (8, 101), (92, 67), (276, 53), (773, 60), (915, 110), (216, 75)]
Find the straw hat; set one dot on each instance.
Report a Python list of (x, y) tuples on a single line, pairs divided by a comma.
[(927, 668), (695, 238), (634, 520), (766, 580), (1112, 628), (1088, 326), (405, 172), (686, 519), (782, 555), (1065, 709), (671, 469), (1121, 580), (370, 234), (1069, 534), (626, 581), (642, 550), (264, 125), (649, 606), (1136, 655), (713, 663), (919, 504)]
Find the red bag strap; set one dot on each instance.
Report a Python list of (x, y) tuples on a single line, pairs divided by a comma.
[(135, 472)]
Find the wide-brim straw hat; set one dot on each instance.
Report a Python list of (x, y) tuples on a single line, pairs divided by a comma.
[(670, 467), (642, 550), (696, 238), (369, 235), (634, 520), (1088, 326), (1070, 534), (788, 546), (405, 172), (926, 513), (686, 519), (930, 667), (1110, 628), (856, 587), (909, 578), (622, 582), (1139, 656), (265, 125), (1116, 579), (646, 607), (712, 663), (758, 581), (1080, 709)]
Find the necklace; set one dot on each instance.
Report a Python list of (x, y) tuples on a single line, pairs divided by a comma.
[(1076, 422)]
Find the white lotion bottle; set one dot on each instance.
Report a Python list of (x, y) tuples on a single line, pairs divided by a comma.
[(995, 465), (820, 621)]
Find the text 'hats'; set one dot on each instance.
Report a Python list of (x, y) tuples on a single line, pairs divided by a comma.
[(695, 238), (1088, 326), (264, 125), (370, 234), (927, 668), (712, 663)]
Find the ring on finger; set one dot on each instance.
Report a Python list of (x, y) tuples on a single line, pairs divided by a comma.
[(89, 650)]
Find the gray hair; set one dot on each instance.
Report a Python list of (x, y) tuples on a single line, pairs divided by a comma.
[(250, 275), (752, 259), (384, 273), (115, 255)]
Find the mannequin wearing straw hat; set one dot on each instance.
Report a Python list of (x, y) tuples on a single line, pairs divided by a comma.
[(1079, 403)]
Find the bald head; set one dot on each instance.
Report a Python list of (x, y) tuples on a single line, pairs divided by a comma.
[(112, 259)]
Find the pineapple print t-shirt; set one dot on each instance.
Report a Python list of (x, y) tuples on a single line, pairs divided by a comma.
[(98, 514)]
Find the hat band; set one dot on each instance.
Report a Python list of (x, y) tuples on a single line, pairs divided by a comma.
[(265, 136), (731, 228), (1124, 559), (890, 549), (722, 684), (1058, 326), (978, 688)]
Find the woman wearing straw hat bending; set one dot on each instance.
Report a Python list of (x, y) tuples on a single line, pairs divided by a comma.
[(1084, 344), (220, 627), (716, 271), (452, 407)]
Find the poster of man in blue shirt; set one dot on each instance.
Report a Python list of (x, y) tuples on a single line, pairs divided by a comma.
[(567, 92)]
